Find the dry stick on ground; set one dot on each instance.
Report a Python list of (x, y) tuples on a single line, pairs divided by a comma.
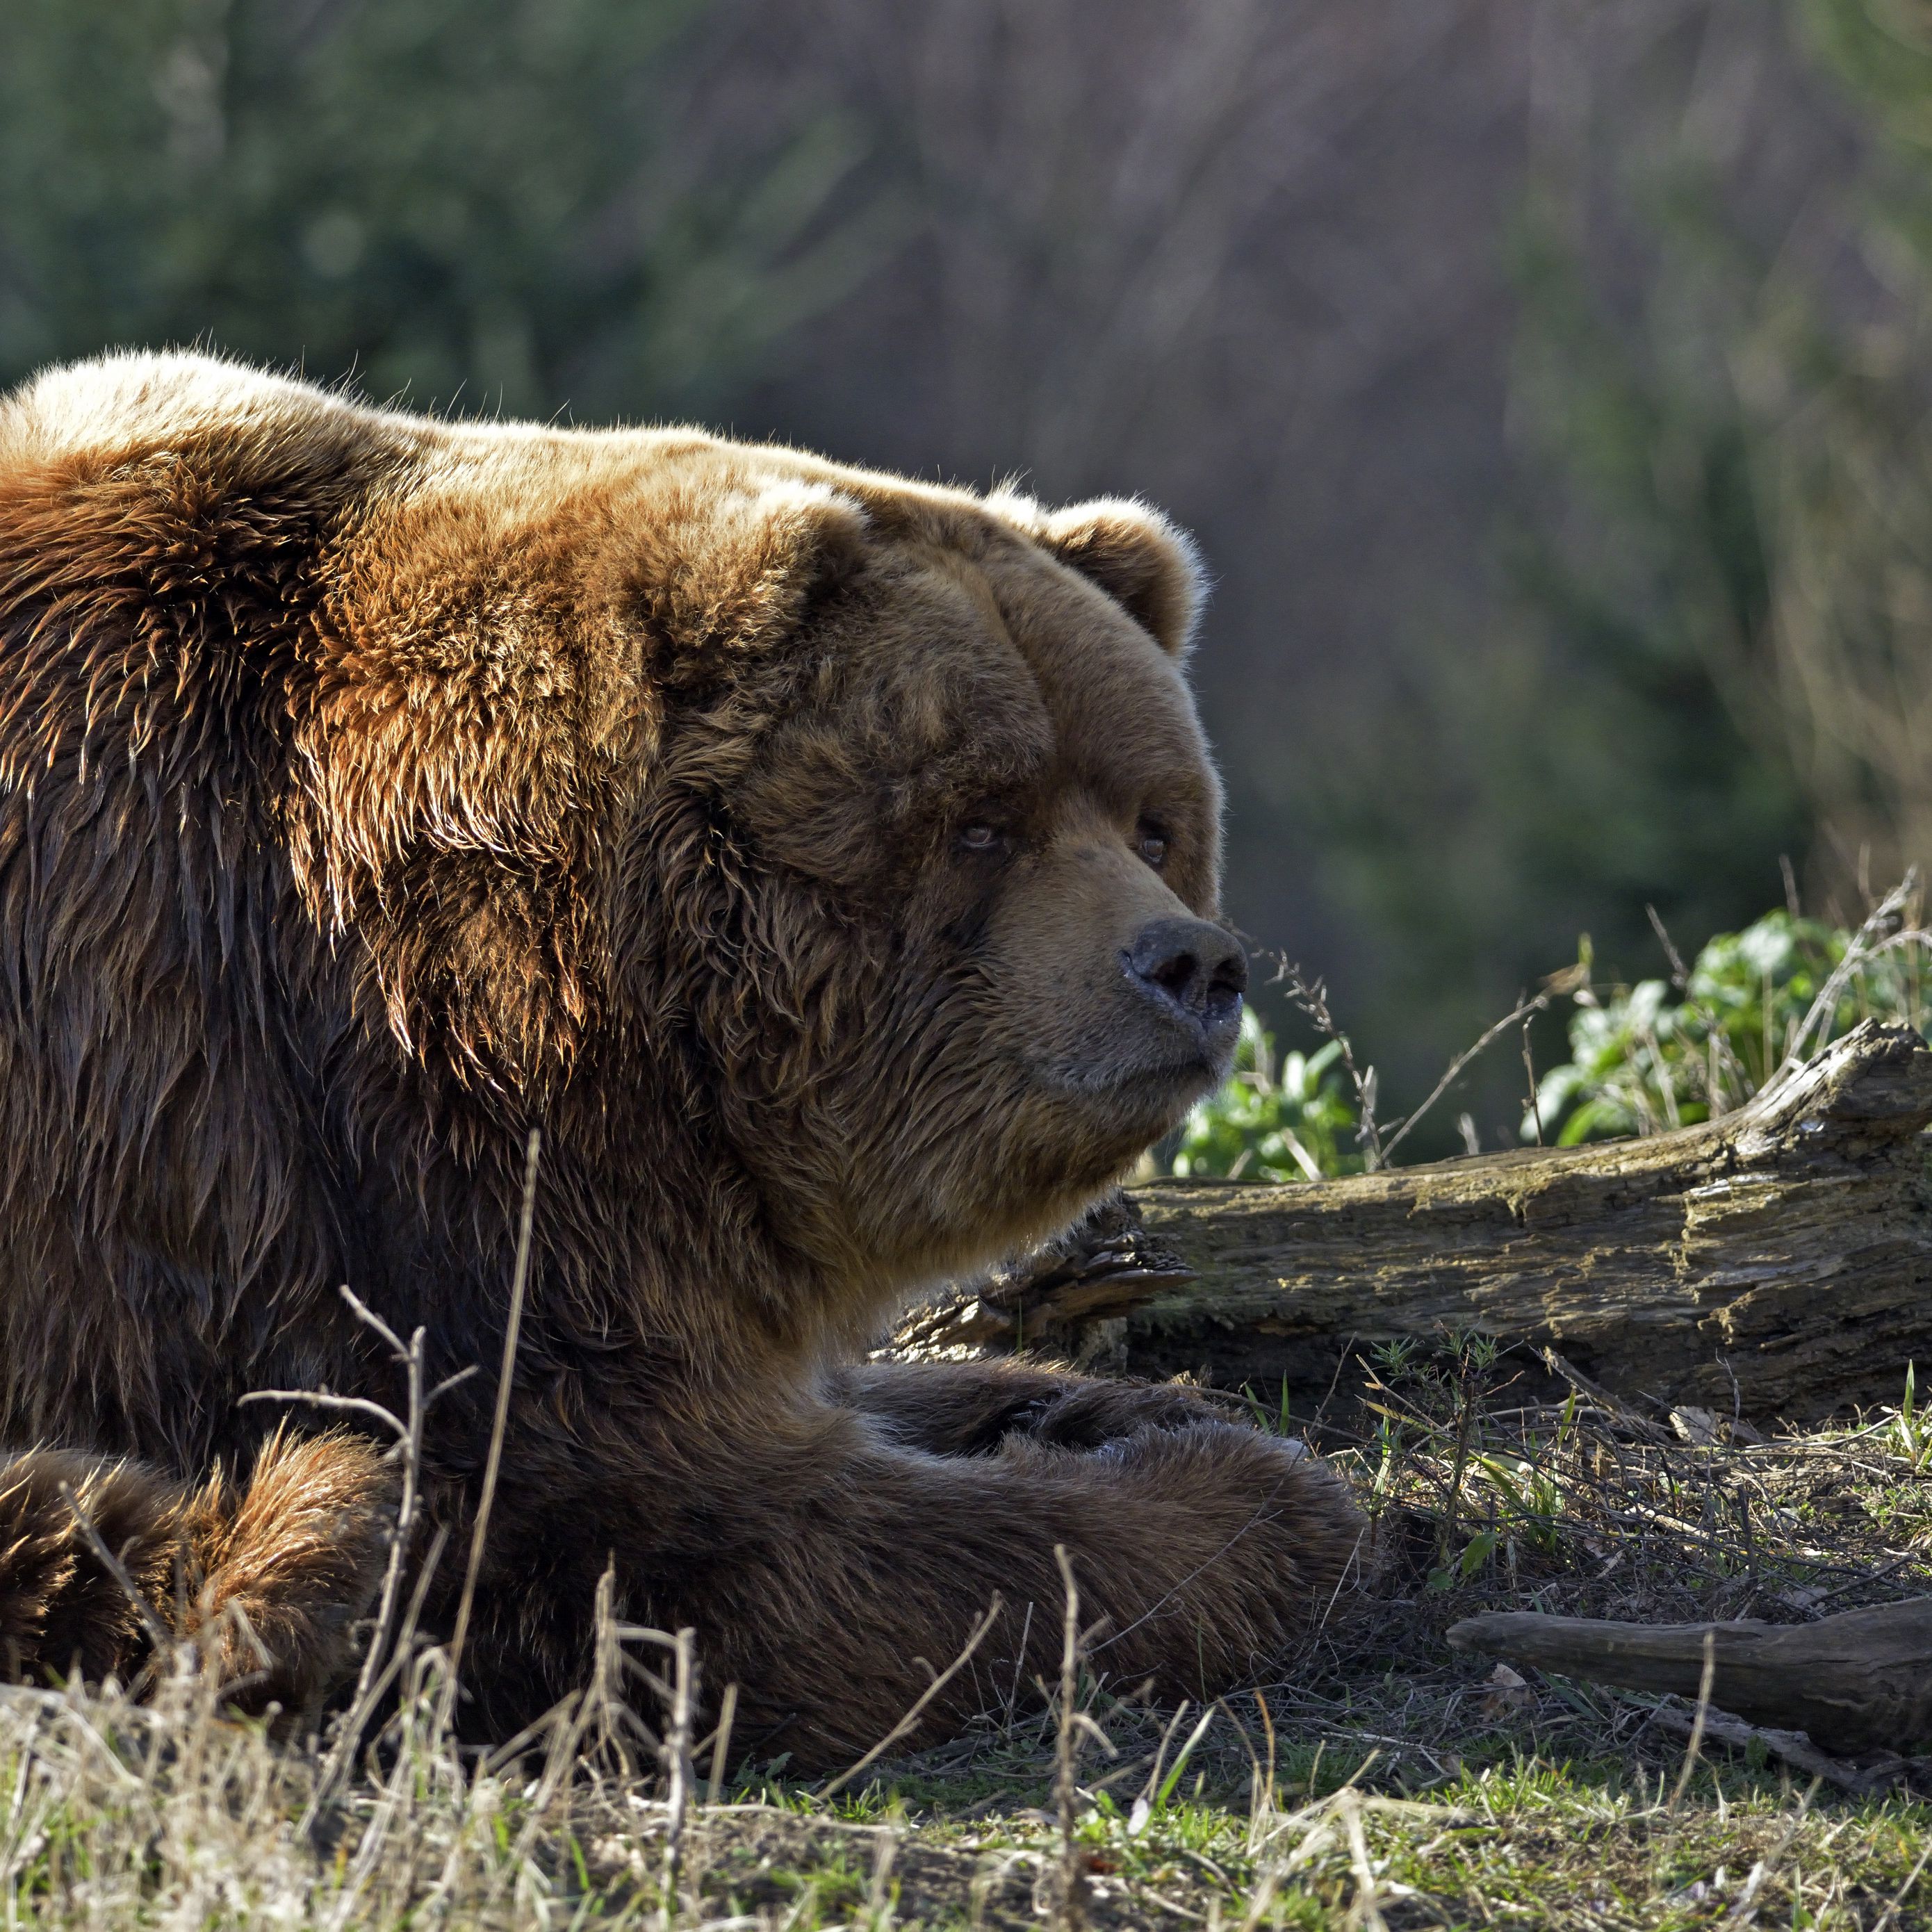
[(1368, 1912), (720, 1742), (519, 1281), (609, 1711), (878, 1898), (604, 1709), (1792, 1239), (1865, 943), (1267, 1800), (677, 1768), (373, 1681), (410, 1447), (1523, 1011), (1070, 1901), (1860, 1681), (402, 1651), (1791, 1748), (1706, 1675)]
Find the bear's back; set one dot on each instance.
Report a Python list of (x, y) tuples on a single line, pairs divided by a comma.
[(137, 399)]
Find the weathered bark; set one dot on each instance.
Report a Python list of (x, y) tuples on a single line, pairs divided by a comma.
[(1859, 1681), (1787, 1246)]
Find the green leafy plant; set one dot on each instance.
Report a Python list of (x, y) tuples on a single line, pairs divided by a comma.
[(1663, 1054), (1644, 1058), (1280, 1116)]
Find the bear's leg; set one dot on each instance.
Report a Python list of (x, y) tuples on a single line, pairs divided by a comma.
[(282, 1569), (968, 1408), (61, 1609), (843, 1572), (269, 1578)]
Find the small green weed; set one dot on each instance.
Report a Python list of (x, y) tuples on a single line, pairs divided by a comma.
[(1911, 1436)]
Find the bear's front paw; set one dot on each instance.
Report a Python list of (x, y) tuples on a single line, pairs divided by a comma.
[(1091, 1415)]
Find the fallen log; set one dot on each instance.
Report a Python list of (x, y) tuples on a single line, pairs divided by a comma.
[(1777, 1261), (1859, 1681)]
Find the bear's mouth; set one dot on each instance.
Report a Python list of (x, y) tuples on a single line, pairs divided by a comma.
[(1163, 1089)]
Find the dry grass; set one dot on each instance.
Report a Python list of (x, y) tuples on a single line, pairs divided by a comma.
[(1385, 1781)]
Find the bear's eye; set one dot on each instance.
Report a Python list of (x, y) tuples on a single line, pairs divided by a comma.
[(1153, 845), (981, 836)]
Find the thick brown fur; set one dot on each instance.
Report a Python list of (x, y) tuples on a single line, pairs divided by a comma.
[(265, 1581), (780, 839)]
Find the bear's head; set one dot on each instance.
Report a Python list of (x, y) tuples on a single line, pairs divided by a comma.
[(862, 829), (932, 766)]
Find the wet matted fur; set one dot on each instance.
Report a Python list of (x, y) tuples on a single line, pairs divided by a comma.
[(803, 850)]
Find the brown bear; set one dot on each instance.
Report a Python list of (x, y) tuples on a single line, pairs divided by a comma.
[(825, 863)]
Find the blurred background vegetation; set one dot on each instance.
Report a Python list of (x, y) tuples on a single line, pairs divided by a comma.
[(1546, 383)]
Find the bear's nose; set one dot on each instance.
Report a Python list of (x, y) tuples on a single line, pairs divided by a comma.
[(1195, 970)]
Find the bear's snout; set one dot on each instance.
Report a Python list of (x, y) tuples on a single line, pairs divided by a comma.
[(1194, 974)]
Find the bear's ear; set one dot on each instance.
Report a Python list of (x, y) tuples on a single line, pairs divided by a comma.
[(729, 570), (1141, 559)]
